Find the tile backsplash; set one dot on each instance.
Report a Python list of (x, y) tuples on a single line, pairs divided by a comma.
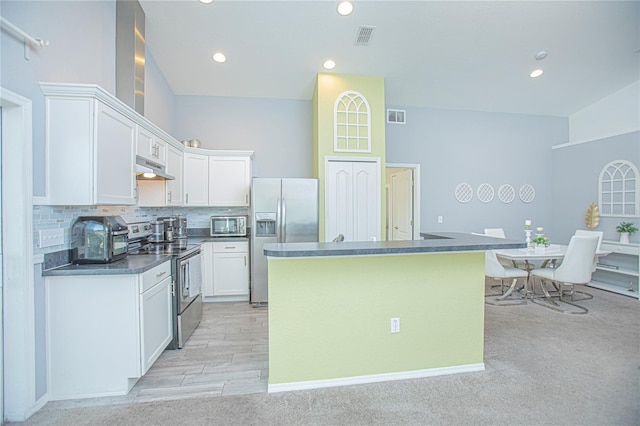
[(52, 217)]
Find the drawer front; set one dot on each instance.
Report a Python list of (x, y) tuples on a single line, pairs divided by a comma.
[(155, 275), (231, 247), (620, 248)]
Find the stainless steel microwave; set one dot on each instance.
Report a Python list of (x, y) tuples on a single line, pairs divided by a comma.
[(228, 226)]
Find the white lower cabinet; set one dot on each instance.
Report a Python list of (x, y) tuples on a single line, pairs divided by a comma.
[(105, 331), (156, 327), (207, 267), (227, 270)]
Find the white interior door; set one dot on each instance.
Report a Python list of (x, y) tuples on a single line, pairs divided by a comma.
[(401, 193), (366, 188), (339, 200), (352, 200)]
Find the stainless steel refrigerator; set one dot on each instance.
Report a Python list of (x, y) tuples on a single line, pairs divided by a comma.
[(284, 211)]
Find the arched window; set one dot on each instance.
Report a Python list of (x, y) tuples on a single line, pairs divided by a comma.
[(352, 123), (618, 189)]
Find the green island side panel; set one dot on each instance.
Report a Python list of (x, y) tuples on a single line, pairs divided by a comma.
[(329, 317)]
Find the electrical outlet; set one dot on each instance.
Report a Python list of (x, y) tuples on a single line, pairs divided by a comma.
[(51, 237), (395, 325), (439, 219)]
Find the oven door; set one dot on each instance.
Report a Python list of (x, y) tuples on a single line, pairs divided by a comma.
[(189, 280)]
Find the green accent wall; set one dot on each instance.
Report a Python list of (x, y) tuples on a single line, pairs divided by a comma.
[(329, 317), (326, 91)]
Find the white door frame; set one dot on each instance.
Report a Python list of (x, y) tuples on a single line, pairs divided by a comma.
[(416, 193), (18, 372)]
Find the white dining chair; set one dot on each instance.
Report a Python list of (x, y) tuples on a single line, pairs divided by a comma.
[(495, 270), (575, 269), (600, 235)]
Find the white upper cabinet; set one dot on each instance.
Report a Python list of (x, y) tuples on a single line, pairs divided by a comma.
[(151, 147), (229, 181), (91, 151), (196, 179), (174, 168)]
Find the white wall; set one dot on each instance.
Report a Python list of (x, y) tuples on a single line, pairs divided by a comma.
[(615, 114), (278, 130), (81, 49), (158, 97), (454, 147)]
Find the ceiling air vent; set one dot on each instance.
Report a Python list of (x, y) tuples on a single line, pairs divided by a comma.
[(363, 38), (396, 116)]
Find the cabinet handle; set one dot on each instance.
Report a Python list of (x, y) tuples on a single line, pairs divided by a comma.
[(169, 196), (229, 247), (186, 198), (246, 198), (160, 274), (245, 261)]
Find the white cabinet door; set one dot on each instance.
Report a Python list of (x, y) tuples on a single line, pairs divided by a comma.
[(114, 160), (352, 200), (196, 179), (231, 269), (149, 146), (207, 269), (229, 181), (91, 150), (156, 322), (174, 168)]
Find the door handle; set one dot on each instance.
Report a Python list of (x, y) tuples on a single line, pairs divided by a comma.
[(284, 220), (278, 221)]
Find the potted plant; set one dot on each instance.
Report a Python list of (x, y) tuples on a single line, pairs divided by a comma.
[(625, 229), (541, 241)]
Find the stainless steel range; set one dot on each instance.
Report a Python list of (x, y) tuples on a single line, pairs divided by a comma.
[(186, 269)]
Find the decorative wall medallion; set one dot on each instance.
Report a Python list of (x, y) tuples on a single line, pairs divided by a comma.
[(506, 193), (527, 193), (464, 192), (485, 193)]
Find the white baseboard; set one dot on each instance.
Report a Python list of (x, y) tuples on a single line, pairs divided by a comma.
[(374, 378)]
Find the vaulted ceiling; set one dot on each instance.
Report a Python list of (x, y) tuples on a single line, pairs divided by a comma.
[(474, 55)]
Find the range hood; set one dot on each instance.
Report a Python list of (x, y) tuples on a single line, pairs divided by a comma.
[(148, 170)]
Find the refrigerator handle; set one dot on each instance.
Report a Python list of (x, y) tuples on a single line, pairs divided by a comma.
[(278, 221), (284, 220)]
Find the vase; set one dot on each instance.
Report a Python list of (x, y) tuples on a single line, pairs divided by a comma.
[(624, 238)]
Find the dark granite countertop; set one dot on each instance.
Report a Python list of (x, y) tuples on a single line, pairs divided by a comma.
[(433, 243), (128, 265), (210, 239)]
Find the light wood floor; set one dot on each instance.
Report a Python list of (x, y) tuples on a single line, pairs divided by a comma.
[(226, 355)]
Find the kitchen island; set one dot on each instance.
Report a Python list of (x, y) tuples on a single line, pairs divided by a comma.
[(360, 312)]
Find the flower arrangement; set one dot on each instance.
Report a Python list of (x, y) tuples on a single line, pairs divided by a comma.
[(541, 240), (628, 227)]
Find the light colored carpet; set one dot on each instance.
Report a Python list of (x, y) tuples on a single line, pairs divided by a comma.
[(542, 368)]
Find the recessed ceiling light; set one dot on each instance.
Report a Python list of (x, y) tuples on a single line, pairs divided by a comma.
[(536, 73), (206, 1), (219, 57), (149, 175), (345, 8), (541, 55), (329, 64)]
